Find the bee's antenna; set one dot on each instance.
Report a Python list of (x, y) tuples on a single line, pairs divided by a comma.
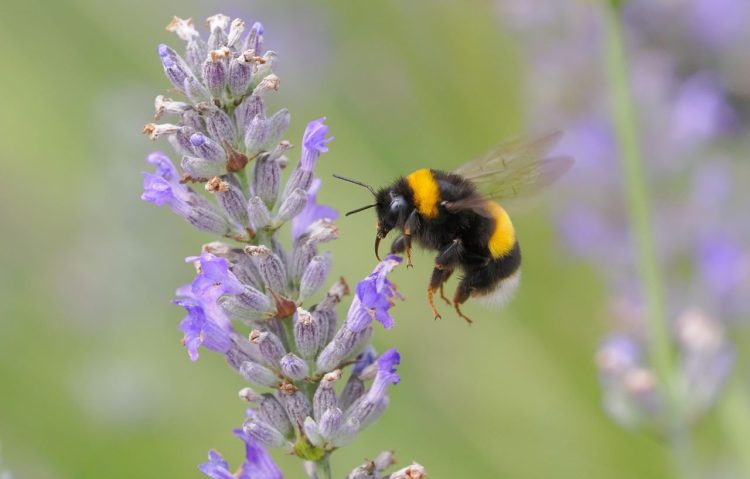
[(360, 184), (360, 209)]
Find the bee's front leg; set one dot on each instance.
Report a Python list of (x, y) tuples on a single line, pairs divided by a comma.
[(400, 245), (410, 225)]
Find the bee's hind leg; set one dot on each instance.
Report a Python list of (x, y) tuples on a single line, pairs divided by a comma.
[(442, 288), (462, 294)]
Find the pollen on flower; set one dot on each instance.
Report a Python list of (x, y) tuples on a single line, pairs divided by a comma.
[(216, 185), (287, 388), (220, 54)]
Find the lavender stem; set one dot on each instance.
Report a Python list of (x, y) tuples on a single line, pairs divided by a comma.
[(637, 199)]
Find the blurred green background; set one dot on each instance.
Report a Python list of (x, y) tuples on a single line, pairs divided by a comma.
[(93, 379)]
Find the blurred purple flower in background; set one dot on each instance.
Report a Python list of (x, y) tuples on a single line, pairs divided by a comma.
[(246, 300), (690, 90)]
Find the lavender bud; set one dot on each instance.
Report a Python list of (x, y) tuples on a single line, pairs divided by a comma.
[(155, 131), (183, 28), (240, 75), (353, 390), (195, 90), (270, 346), (277, 126), (294, 367), (215, 70), (193, 120), (220, 126), (302, 254), (330, 422), (257, 374), (241, 351), (254, 40), (254, 300), (181, 142), (327, 320), (325, 395), (237, 311), (300, 179), (249, 395), (279, 250), (255, 135), (245, 270), (175, 68), (217, 25), (322, 231), (195, 52), (306, 334), (272, 412), (366, 470), (230, 198), (264, 433), (277, 154), (207, 220), (200, 168), (414, 471), (270, 266), (292, 205), (311, 431), (297, 407), (346, 432), (314, 276), (269, 82), (235, 31), (384, 460), (207, 148), (166, 105), (258, 212), (266, 179), (250, 107), (344, 343)]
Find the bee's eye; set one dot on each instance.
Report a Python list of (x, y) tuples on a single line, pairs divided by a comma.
[(397, 202)]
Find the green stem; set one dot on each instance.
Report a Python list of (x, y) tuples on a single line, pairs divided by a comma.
[(323, 467), (659, 337)]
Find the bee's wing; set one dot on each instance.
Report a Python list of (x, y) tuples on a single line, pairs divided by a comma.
[(515, 167)]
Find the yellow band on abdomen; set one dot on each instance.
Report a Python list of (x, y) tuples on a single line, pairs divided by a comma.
[(504, 235), (426, 192)]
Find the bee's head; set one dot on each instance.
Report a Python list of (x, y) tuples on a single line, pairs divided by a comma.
[(390, 206)]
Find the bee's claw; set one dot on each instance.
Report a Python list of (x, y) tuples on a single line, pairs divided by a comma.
[(461, 314), (430, 293), (442, 295)]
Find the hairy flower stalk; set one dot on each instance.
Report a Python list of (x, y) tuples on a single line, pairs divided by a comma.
[(246, 301)]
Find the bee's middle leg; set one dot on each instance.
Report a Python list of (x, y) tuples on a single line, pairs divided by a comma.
[(438, 278), (445, 263)]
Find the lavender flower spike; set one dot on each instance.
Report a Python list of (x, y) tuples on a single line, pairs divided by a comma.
[(247, 301)]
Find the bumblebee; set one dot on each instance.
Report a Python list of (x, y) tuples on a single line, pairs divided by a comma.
[(458, 215)]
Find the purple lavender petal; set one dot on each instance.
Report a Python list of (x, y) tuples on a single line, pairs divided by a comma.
[(216, 467), (258, 463), (314, 143)]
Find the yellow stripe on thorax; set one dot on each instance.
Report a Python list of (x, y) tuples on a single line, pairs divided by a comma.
[(426, 192), (504, 235)]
